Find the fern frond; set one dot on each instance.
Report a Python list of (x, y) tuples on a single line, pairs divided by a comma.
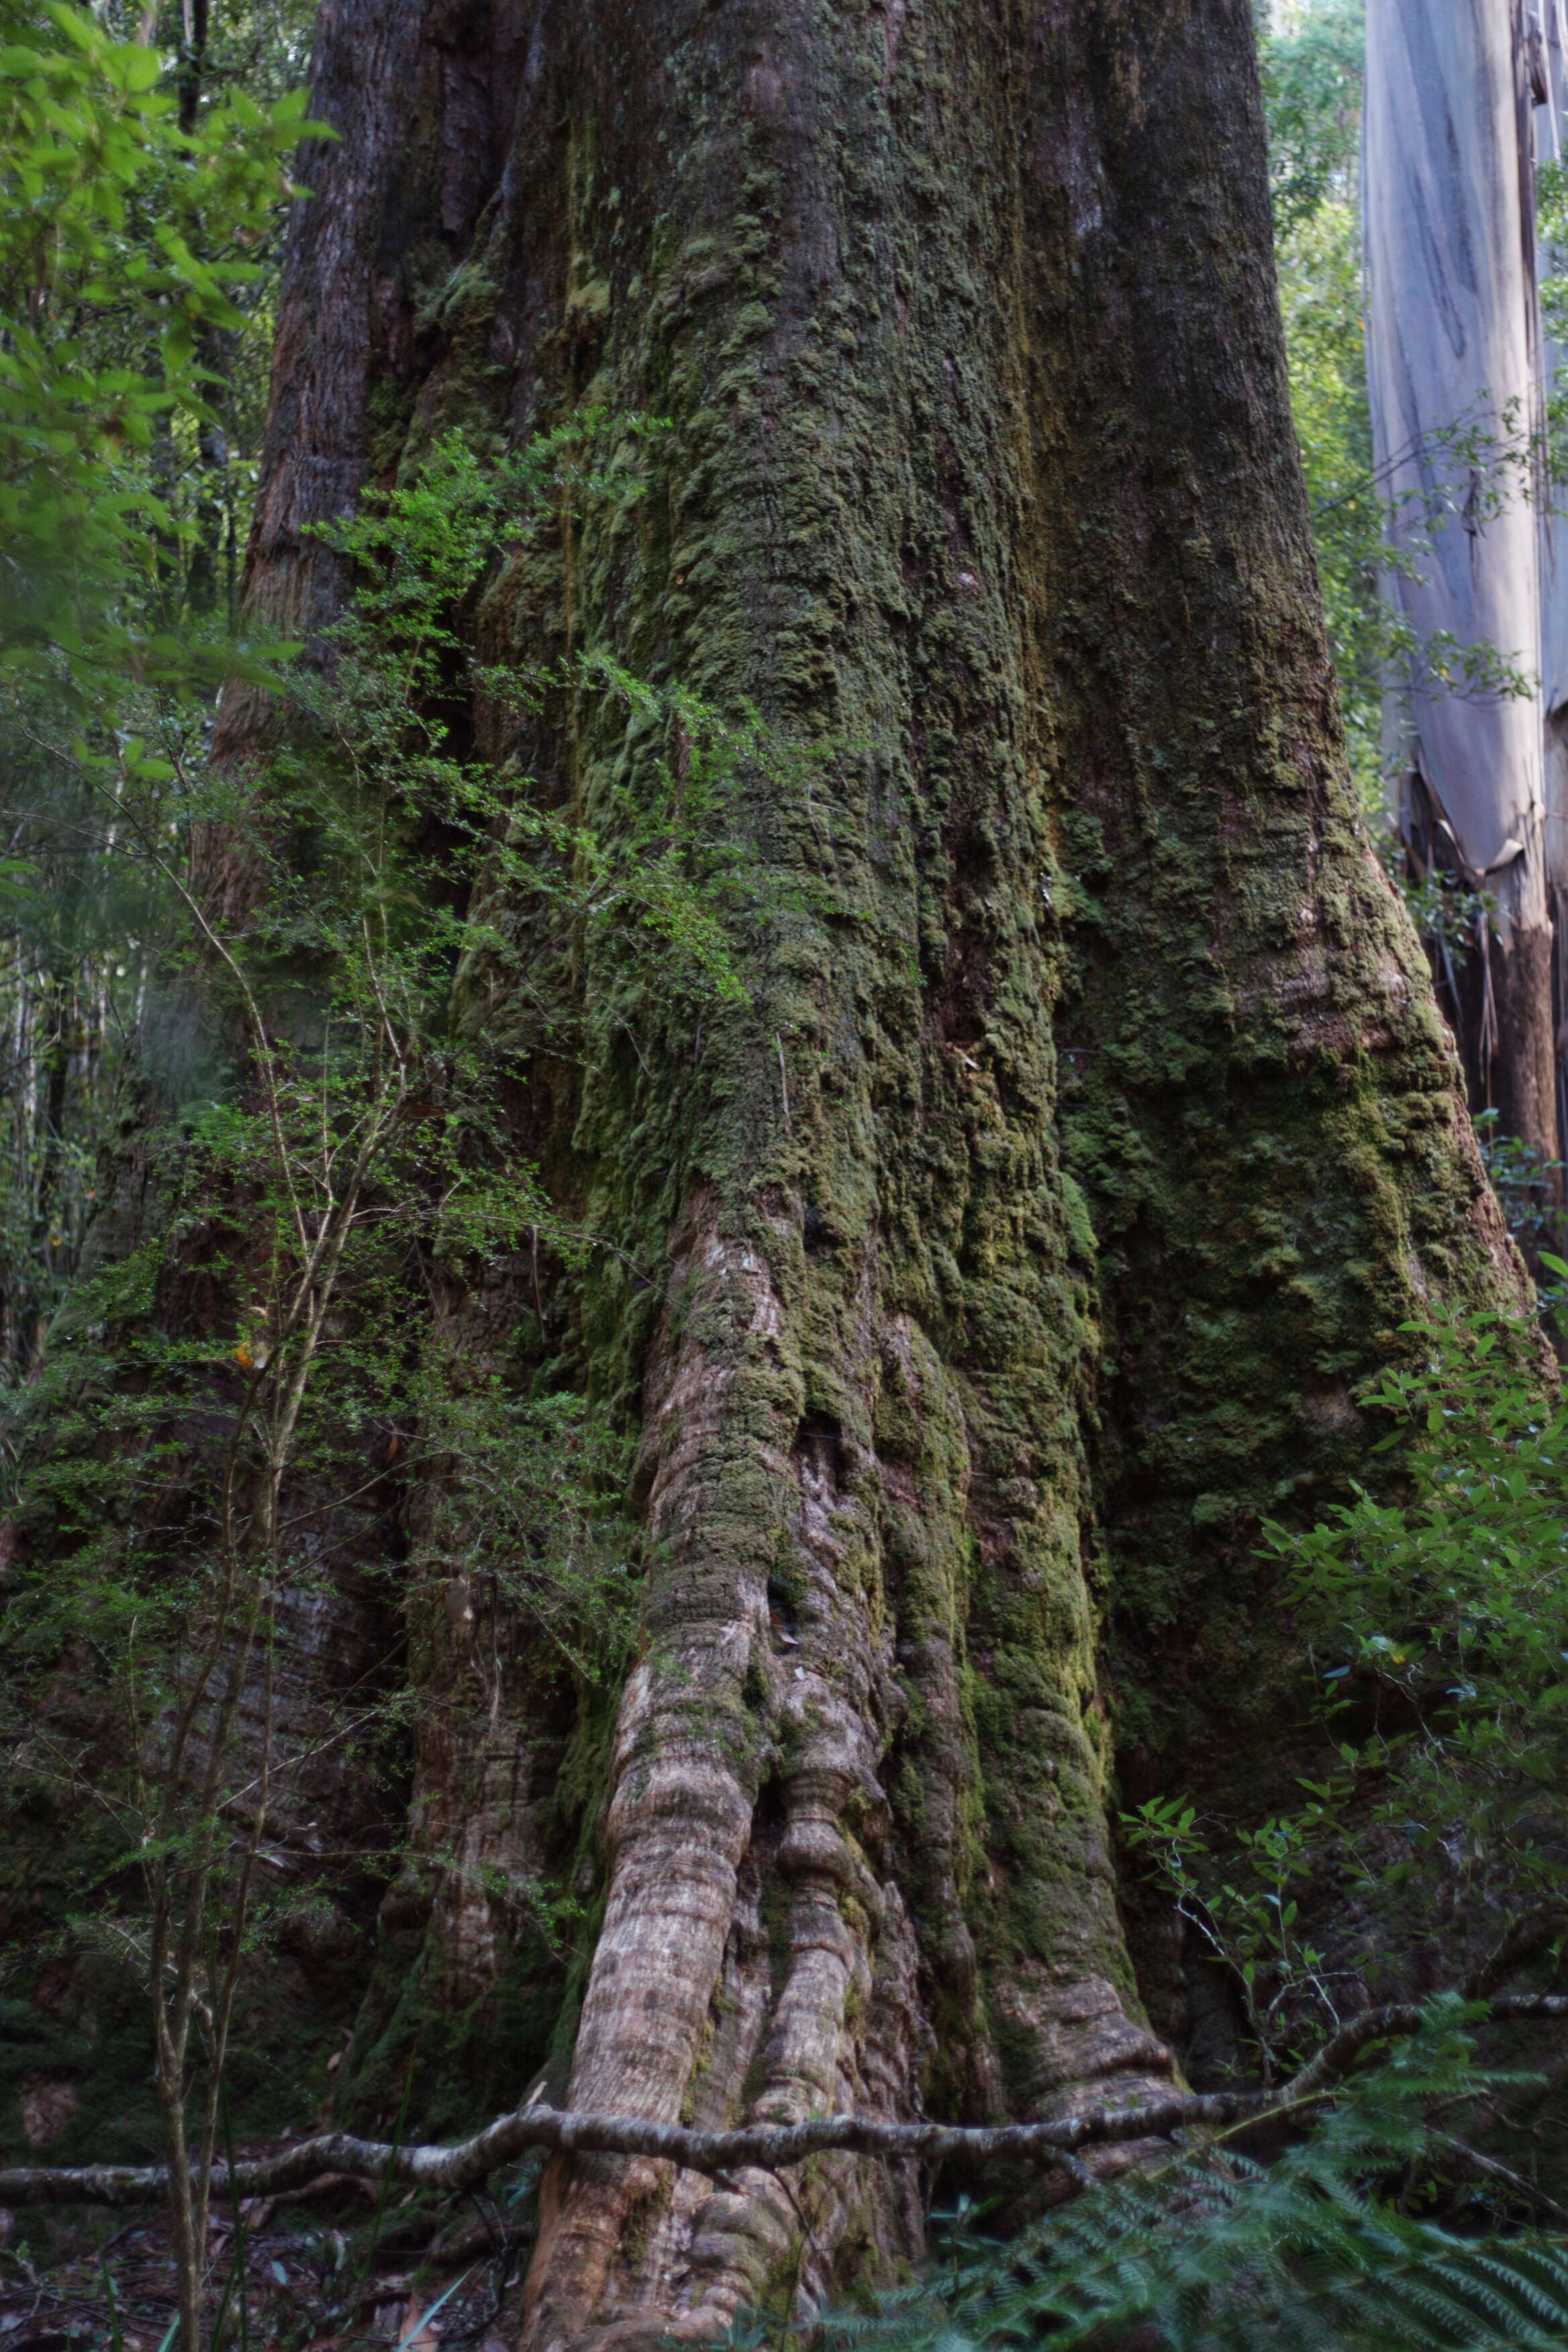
[(1410, 2288), (1236, 2257)]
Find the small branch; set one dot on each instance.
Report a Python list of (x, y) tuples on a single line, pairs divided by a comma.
[(1473, 2163), (766, 2146), (1522, 1941), (1340, 2053)]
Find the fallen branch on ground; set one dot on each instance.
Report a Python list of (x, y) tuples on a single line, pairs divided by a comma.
[(767, 2146)]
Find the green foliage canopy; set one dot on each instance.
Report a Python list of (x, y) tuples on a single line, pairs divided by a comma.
[(122, 236)]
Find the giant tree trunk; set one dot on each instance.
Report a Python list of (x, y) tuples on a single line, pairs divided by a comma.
[(978, 485)]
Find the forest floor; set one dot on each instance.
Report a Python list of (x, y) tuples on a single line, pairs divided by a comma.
[(316, 2277)]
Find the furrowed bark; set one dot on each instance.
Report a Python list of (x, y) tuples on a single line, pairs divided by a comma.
[(1258, 1098)]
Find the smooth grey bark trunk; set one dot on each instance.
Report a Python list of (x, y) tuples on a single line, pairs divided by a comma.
[(1548, 60), (1454, 349)]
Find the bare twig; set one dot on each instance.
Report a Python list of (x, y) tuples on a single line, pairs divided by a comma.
[(1473, 2162), (1522, 1941)]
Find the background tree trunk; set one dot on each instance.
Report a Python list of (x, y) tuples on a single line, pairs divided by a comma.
[(1089, 1132), (1455, 363), (1548, 92)]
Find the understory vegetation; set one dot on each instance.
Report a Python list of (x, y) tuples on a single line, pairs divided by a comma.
[(255, 997), (1294, 2255)]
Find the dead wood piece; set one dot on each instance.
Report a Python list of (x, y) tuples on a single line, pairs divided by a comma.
[(325, 2184)]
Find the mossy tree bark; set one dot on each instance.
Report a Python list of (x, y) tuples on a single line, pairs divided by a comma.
[(978, 484)]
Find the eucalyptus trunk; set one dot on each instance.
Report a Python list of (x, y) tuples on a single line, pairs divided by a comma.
[(1091, 1128), (1456, 376)]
